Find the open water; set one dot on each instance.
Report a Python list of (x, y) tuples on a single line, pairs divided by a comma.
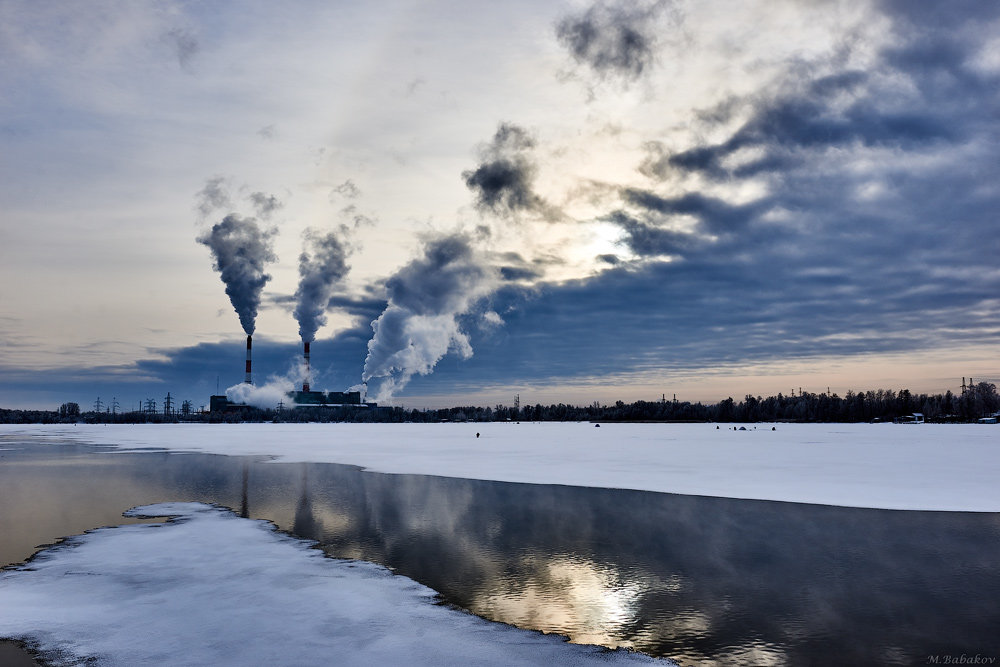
[(704, 581)]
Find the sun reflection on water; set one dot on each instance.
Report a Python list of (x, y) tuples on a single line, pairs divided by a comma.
[(568, 593)]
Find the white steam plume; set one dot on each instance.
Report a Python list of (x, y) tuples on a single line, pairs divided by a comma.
[(420, 324)]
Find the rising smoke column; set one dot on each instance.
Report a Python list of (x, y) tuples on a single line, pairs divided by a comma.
[(420, 325), (240, 250), (322, 265)]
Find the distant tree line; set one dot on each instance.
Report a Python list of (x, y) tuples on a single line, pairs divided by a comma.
[(977, 401)]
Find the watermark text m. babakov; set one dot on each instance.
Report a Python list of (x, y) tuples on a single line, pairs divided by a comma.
[(962, 659)]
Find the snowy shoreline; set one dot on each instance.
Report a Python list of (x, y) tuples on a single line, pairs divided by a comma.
[(211, 588), (884, 466)]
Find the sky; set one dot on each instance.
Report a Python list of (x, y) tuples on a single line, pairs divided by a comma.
[(566, 201)]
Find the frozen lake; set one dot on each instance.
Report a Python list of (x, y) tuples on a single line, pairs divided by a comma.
[(925, 467), (702, 580)]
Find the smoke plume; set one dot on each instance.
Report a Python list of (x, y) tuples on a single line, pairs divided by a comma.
[(322, 266), (503, 181), (612, 40), (420, 324), (212, 197), (264, 204), (241, 249)]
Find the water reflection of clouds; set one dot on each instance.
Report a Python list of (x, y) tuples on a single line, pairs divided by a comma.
[(705, 580), (688, 625), (759, 654), (567, 593)]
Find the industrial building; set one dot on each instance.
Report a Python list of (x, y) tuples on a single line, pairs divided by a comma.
[(302, 399), (311, 399), (297, 399)]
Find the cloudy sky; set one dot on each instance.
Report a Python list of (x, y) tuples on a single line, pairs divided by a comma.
[(457, 203)]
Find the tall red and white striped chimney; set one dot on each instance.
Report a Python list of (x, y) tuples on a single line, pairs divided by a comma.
[(249, 377), (305, 380)]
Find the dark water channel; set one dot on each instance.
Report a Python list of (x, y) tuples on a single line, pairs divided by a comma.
[(705, 581)]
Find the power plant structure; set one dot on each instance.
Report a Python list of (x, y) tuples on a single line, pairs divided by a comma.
[(315, 399), (306, 398)]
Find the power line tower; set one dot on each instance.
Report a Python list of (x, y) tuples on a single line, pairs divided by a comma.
[(168, 405), (150, 406), (186, 408), (114, 405), (98, 405)]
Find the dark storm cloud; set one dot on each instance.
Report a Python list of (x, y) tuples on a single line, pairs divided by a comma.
[(923, 92), (514, 267), (189, 373), (322, 267), (503, 183), (364, 307), (192, 372), (874, 230), (515, 273), (646, 239), (264, 204), (213, 197), (612, 39), (808, 121), (708, 312), (336, 362), (240, 250), (715, 215), (661, 226), (936, 16)]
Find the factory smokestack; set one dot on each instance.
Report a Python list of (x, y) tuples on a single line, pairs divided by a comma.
[(305, 381), (249, 378)]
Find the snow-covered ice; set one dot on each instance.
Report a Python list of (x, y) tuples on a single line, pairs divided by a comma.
[(210, 588), (915, 467)]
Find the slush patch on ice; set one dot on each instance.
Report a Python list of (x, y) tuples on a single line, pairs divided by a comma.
[(210, 588)]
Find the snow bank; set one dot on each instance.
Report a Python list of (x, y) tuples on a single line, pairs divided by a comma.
[(213, 589), (915, 467)]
